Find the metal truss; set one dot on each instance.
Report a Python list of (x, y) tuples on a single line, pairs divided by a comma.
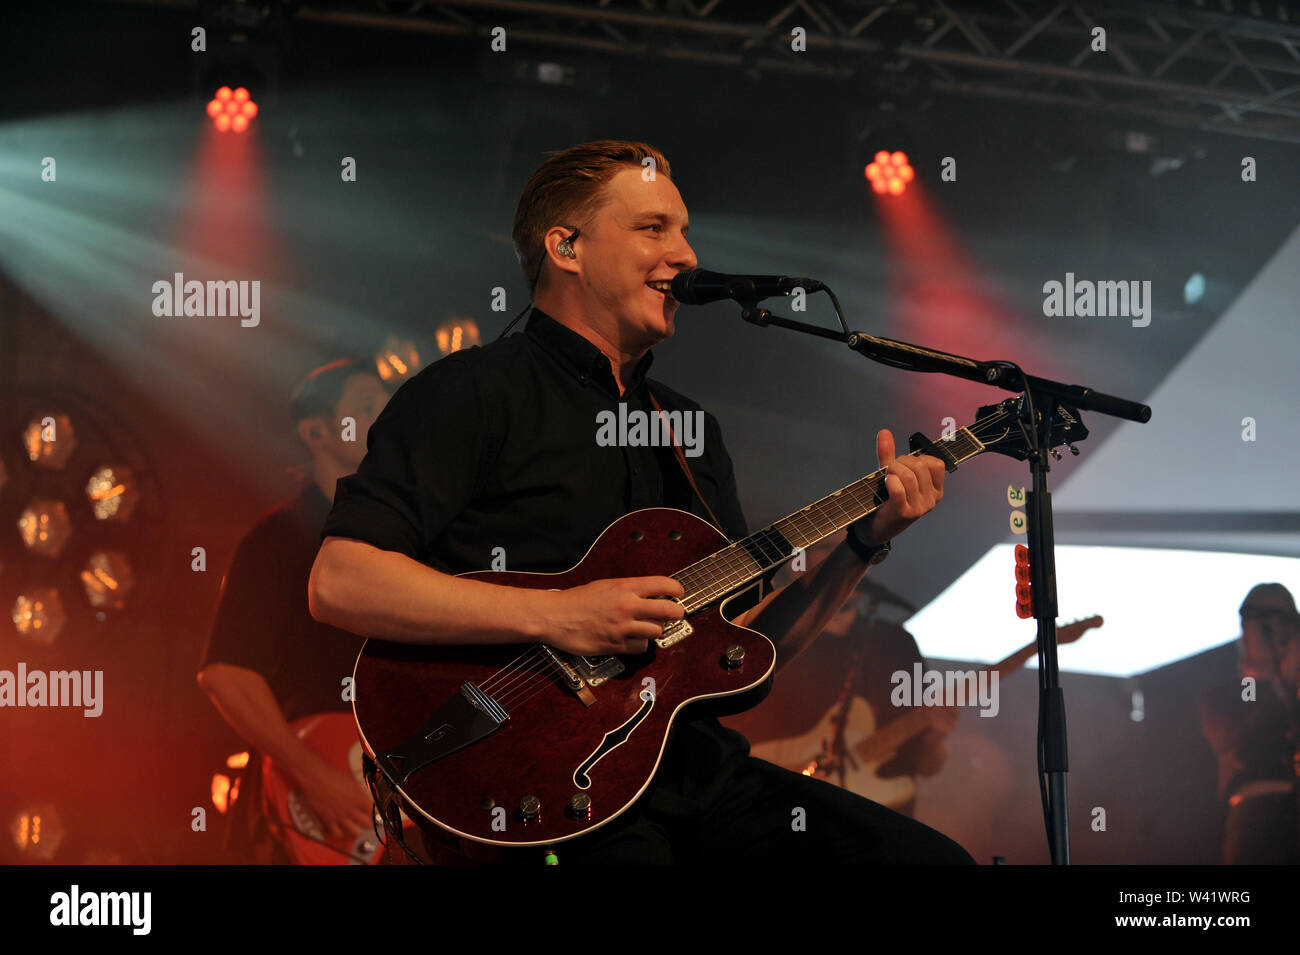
[(1228, 66)]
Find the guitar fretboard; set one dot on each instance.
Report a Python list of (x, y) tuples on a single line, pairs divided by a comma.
[(739, 564)]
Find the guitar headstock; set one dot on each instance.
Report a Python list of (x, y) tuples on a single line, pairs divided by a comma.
[(999, 428), (1073, 631)]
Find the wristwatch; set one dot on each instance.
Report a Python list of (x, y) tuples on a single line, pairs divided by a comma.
[(871, 554)]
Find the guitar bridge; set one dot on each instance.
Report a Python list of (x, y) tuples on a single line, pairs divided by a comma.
[(596, 670), (570, 676)]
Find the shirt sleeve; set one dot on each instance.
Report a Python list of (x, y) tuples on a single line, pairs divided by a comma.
[(251, 611), (422, 460)]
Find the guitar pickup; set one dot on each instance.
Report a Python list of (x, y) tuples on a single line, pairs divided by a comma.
[(596, 670), (676, 631)]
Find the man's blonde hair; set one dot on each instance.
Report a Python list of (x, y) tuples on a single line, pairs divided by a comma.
[(568, 188)]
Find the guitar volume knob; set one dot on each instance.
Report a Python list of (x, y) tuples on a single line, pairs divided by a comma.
[(579, 807), (530, 808), (734, 656)]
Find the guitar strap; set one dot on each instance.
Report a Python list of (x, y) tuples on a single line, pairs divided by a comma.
[(686, 468)]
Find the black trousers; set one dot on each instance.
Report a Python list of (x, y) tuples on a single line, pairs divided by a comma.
[(755, 812)]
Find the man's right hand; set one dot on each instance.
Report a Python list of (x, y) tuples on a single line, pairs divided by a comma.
[(620, 615), (334, 795)]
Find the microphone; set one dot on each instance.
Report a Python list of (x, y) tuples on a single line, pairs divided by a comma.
[(700, 286)]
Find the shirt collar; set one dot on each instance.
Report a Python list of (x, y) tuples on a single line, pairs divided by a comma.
[(583, 359)]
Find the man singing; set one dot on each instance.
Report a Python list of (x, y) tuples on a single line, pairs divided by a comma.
[(496, 447)]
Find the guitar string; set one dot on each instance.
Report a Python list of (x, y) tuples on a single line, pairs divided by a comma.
[(522, 693), (504, 692), (507, 668), (524, 674), (488, 684), (518, 703)]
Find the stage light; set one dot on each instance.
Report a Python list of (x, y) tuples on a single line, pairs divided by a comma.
[(50, 440), (45, 527), (1194, 288), (231, 110), (397, 359), (457, 333), (38, 616), (112, 493), (237, 760), (37, 832), (107, 579), (221, 792), (889, 173)]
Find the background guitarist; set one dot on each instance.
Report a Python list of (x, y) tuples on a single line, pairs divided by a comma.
[(1256, 735), (267, 662), (873, 650), (492, 453)]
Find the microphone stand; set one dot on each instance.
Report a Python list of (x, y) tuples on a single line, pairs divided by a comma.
[(1046, 396)]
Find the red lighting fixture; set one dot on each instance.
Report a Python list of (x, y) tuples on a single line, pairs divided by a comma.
[(889, 173), (232, 110)]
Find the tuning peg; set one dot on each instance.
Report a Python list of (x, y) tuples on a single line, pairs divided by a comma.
[(1073, 450), (1056, 455)]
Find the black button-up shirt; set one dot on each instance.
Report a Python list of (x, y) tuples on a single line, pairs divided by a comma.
[(263, 623), (496, 447)]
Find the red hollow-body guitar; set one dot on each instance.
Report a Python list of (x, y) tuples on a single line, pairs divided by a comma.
[(528, 745)]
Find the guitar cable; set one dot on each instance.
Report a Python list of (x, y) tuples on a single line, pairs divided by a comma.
[(394, 825)]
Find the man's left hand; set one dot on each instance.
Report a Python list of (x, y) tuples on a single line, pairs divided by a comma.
[(915, 486)]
